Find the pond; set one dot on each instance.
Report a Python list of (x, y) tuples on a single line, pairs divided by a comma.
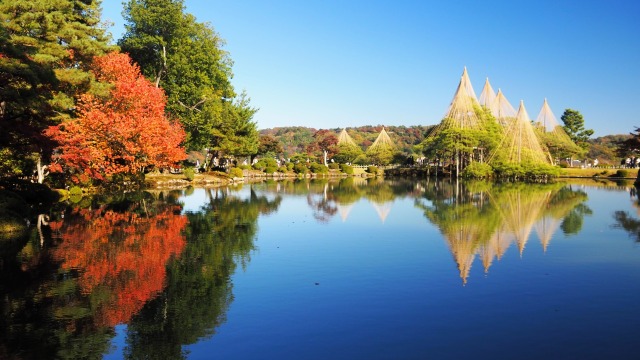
[(339, 269)]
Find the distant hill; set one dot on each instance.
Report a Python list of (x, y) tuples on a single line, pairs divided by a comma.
[(295, 138), (604, 148)]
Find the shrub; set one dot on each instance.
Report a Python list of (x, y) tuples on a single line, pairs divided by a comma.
[(334, 166), (373, 170), (290, 166), (189, 173), (283, 169), (236, 172), (264, 163), (300, 168), (32, 193), (244, 167), (361, 160), (270, 169), (346, 169), (623, 173), (13, 202), (318, 168), (75, 191), (477, 170)]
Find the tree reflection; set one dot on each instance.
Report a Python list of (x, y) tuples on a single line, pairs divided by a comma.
[(120, 256), (628, 222), (92, 267), (199, 292), (328, 197), (478, 218)]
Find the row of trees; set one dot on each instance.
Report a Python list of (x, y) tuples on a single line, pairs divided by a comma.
[(412, 142), (294, 142), (96, 111)]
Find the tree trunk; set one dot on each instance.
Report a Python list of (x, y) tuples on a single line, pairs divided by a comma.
[(164, 65), (42, 170), (324, 152)]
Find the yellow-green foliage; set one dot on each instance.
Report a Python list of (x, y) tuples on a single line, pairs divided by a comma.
[(189, 174), (477, 171), (13, 210), (346, 169), (236, 172)]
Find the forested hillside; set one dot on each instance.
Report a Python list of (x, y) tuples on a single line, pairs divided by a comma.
[(604, 148), (295, 139)]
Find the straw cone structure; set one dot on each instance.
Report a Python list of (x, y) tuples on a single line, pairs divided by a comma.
[(487, 96), (383, 140), (502, 109), (461, 112), (551, 131), (345, 139), (520, 143)]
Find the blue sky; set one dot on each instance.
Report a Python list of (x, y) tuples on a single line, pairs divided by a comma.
[(333, 64)]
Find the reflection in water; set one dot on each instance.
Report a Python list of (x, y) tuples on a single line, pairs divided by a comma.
[(199, 291), (92, 267), (134, 260), (628, 222), (119, 256), (476, 218), (328, 197), (138, 260), (480, 219)]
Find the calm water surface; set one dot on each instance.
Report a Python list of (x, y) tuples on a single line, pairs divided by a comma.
[(349, 269)]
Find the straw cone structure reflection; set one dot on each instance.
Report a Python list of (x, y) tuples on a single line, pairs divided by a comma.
[(520, 211), (474, 227), (545, 228)]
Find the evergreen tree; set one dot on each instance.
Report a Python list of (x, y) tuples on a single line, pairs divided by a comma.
[(574, 127), (186, 59), (46, 47), (630, 146)]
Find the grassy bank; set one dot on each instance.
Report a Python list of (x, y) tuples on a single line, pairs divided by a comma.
[(599, 172)]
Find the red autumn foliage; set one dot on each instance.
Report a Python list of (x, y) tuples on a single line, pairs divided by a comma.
[(123, 134), (122, 256)]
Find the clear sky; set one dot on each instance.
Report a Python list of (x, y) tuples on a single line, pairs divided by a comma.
[(344, 63)]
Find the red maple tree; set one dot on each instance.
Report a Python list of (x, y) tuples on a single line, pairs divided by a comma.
[(123, 133)]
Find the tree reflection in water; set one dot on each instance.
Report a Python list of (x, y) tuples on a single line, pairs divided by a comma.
[(479, 218), (92, 267), (139, 261), (628, 222), (199, 291)]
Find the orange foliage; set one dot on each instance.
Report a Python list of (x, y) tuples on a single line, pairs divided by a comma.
[(121, 255), (122, 134)]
